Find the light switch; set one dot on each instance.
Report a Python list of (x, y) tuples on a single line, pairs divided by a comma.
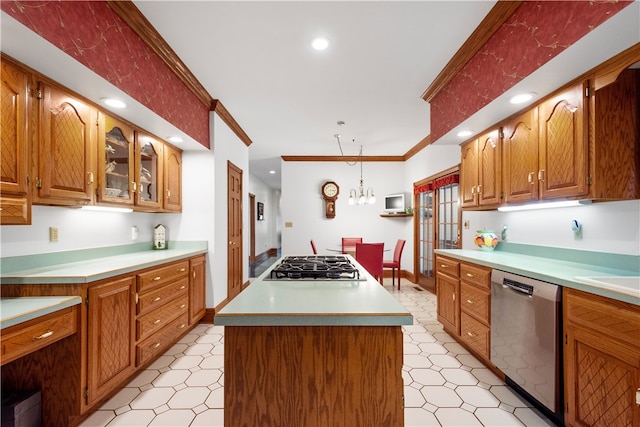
[(53, 234), (288, 224)]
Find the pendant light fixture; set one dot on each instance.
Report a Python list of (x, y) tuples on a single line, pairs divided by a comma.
[(358, 197)]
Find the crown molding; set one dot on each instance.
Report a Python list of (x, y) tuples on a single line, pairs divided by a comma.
[(226, 117), (343, 158), (500, 12)]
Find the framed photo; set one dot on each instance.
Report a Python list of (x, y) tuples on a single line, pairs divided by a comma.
[(260, 211)]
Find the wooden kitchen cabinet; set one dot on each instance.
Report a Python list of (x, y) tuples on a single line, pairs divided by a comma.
[(615, 165), (563, 144), (464, 303), (115, 161), (172, 179), (448, 292), (15, 195), (148, 172), (475, 308), (110, 336), (601, 360), (520, 158), (67, 132), (124, 323), (197, 289), (481, 172)]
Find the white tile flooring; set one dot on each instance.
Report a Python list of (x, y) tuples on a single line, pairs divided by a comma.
[(444, 384)]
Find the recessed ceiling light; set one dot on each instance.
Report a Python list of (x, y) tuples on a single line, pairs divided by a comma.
[(175, 139), (112, 102), (464, 133), (522, 98), (272, 172), (320, 43)]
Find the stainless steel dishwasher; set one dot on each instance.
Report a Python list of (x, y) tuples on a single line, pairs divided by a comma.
[(526, 338)]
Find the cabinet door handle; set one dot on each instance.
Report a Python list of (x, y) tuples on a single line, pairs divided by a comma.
[(182, 287), (43, 336), (470, 302), (479, 189), (473, 190), (182, 270), (471, 334), (182, 326), (157, 321), (133, 186), (168, 194), (541, 175), (453, 296), (530, 178), (638, 397), (89, 177), (156, 299), (182, 306), (443, 266), (469, 275), (155, 279), (156, 345)]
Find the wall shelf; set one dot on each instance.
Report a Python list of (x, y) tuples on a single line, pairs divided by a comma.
[(404, 215)]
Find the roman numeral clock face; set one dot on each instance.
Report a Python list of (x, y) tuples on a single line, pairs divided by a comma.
[(330, 191)]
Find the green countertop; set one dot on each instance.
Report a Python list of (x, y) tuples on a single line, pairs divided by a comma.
[(17, 310), (89, 265), (314, 303), (610, 275)]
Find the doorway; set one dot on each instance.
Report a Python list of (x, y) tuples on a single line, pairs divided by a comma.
[(438, 227), (234, 230)]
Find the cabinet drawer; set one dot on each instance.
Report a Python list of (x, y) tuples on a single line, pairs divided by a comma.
[(162, 275), (475, 334), (476, 274), (476, 302), (162, 339), (22, 339), (158, 297), (149, 323), (447, 266), (617, 320)]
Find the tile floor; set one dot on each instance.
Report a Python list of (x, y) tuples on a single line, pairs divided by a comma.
[(444, 384)]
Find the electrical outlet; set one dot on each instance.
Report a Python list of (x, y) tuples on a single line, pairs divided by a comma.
[(53, 234), (134, 233)]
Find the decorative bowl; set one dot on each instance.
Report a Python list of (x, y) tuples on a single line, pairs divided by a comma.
[(485, 240)]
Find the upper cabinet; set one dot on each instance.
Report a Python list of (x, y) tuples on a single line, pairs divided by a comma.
[(15, 197), (115, 162), (563, 144), (66, 145), (60, 150), (520, 158), (149, 172), (481, 171), (615, 167), (172, 179)]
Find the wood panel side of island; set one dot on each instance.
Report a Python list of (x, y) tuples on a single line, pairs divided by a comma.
[(313, 376)]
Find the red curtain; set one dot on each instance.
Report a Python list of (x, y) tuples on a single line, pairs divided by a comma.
[(437, 183)]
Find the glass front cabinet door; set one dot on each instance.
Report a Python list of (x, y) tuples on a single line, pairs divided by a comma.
[(115, 162), (148, 172)]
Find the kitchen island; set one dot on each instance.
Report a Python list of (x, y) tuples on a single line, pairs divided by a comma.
[(314, 353)]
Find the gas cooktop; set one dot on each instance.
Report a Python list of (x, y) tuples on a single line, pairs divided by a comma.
[(315, 267)]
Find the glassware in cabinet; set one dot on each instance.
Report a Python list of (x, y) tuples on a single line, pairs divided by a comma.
[(115, 161)]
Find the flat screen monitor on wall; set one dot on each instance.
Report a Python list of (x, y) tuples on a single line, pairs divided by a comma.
[(395, 203)]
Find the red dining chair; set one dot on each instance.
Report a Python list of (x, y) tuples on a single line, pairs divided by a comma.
[(395, 263), (349, 244), (369, 255), (313, 248)]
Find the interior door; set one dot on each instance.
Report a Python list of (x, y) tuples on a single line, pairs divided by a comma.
[(234, 227)]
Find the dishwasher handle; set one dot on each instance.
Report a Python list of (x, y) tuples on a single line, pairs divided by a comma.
[(517, 286)]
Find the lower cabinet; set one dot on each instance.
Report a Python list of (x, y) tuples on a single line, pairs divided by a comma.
[(124, 323), (110, 334), (464, 303), (601, 360)]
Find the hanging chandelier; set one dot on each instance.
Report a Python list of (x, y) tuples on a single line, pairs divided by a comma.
[(358, 197)]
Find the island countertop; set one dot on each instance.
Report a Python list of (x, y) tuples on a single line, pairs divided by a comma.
[(314, 303)]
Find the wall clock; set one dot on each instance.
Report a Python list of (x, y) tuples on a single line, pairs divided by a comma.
[(330, 191)]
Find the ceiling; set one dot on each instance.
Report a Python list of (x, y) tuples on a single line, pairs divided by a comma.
[(257, 59)]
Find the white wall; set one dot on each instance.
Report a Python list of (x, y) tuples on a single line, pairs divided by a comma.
[(227, 147), (267, 235), (303, 206), (612, 227)]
